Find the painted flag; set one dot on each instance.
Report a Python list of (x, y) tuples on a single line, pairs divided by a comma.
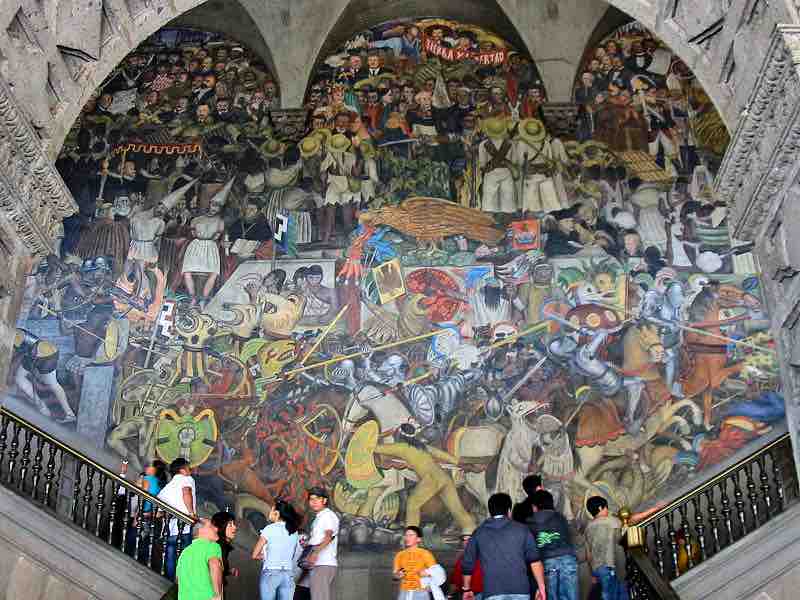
[(285, 234)]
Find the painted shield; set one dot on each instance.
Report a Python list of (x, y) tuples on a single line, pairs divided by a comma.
[(359, 462), (192, 437)]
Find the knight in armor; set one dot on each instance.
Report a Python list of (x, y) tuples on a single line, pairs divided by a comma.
[(36, 372), (600, 374), (662, 305)]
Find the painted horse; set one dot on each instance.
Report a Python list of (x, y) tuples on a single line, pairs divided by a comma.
[(708, 352)]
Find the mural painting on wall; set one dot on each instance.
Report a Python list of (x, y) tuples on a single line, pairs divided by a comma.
[(422, 300)]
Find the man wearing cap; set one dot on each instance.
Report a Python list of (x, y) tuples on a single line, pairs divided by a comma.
[(324, 539), (495, 158), (538, 160)]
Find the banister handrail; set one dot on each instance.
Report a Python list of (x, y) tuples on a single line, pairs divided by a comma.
[(711, 482), (708, 518), (657, 587), (99, 468)]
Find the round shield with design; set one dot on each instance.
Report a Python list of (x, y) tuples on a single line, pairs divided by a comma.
[(192, 437)]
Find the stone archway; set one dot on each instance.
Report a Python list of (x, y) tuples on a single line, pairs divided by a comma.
[(67, 53), (74, 50)]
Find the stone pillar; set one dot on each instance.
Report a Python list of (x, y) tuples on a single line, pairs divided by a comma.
[(95, 407), (15, 264), (760, 181), (33, 202)]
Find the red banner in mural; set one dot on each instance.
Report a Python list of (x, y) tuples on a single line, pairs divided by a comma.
[(495, 57), (159, 148)]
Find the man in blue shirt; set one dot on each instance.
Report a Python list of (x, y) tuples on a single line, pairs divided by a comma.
[(507, 552)]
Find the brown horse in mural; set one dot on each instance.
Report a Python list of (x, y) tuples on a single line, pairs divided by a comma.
[(707, 353)]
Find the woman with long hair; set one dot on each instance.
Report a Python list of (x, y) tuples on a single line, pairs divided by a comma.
[(226, 526), (279, 547)]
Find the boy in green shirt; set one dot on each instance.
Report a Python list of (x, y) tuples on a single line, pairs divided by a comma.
[(199, 572)]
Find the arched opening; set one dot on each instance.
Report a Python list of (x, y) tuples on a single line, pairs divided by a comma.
[(465, 283), (360, 16)]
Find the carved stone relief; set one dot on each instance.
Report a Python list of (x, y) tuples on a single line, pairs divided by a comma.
[(32, 194), (764, 149)]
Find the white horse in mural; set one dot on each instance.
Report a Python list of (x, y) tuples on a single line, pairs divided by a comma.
[(517, 452)]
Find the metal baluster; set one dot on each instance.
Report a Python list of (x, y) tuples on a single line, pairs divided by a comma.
[(699, 527), (112, 513), (765, 487), (179, 541), (100, 505), (777, 476), (4, 421), (57, 484), (659, 547), (76, 491), (151, 537), (137, 525), (12, 455), (632, 576), (87, 496), (163, 539), (673, 544), (687, 535), (126, 515), (49, 473), (739, 502), (25, 462), (37, 469), (713, 518), (726, 511), (752, 496)]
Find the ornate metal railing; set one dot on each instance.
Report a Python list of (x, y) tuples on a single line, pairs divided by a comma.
[(75, 488), (708, 519)]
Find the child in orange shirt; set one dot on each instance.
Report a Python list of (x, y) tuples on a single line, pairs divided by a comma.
[(411, 564)]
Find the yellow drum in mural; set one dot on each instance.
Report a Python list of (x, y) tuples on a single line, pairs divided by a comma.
[(192, 437)]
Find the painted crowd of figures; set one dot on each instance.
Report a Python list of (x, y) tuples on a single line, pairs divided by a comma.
[(458, 298)]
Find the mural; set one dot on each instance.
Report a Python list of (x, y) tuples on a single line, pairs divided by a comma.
[(418, 301)]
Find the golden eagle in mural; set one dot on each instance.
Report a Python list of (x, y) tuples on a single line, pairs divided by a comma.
[(431, 220)]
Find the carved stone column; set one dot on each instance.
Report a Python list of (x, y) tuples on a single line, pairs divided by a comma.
[(32, 194), (33, 202), (760, 180), (15, 263)]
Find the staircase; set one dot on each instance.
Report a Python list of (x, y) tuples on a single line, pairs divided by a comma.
[(719, 528), (70, 528)]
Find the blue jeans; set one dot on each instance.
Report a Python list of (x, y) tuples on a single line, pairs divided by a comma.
[(510, 597), (611, 587), (561, 575), (276, 585), (171, 559)]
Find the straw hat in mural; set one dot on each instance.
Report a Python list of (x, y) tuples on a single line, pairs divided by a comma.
[(495, 127), (310, 146), (324, 134), (339, 143), (272, 149), (367, 150), (532, 131)]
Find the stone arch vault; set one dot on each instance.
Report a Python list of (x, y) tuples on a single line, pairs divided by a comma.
[(745, 53)]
